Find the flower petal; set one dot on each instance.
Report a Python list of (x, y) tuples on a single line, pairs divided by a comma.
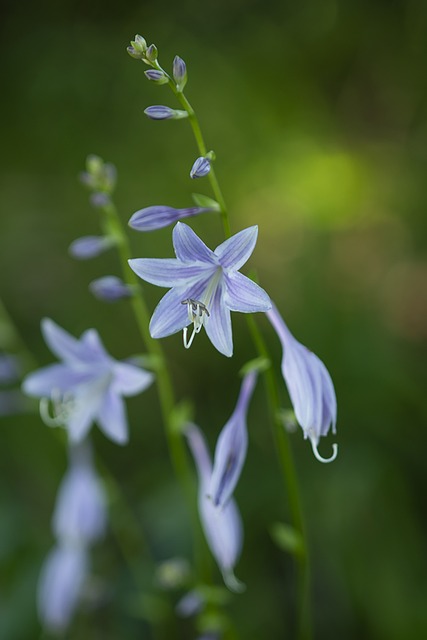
[(218, 325), (235, 251), (60, 377), (189, 247), (87, 400), (129, 380), (61, 343), (244, 295), (112, 418), (167, 272)]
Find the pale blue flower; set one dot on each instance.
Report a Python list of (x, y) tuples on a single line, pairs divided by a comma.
[(310, 387), (110, 289), (80, 515), (179, 72), (60, 585), (205, 286), (222, 527), (160, 112), (158, 216), (87, 386), (230, 452), (90, 246), (200, 168)]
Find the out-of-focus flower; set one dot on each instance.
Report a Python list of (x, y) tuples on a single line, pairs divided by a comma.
[(80, 512), (110, 289), (158, 216), (60, 585), (160, 112), (222, 527), (87, 386), (205, 286), (190, 604), (200, 168), (10, 368), (230, 452), (310, 387), (90, 246)]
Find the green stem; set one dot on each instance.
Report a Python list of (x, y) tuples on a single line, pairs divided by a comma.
[(284, 452)]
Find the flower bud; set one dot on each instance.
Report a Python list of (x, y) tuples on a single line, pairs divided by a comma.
[(134, 53), (139, 43), (179, 73), (110, 289), (156, 76), (160, 112), (200, 168), (90, 246), (151, 53), (159, 216)]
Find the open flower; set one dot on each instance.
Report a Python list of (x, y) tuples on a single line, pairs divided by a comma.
[(230, 452), (310, 387), (205, 286), (222, 527), (87, 386)]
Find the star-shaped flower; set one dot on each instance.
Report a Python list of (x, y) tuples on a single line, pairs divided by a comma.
[(205, 286), (87, 386)]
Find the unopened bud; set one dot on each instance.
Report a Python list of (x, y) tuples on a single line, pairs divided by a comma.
[(151, 53), (156, 76), (179, 73)]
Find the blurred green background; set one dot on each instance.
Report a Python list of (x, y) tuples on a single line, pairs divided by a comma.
[(317, 114)]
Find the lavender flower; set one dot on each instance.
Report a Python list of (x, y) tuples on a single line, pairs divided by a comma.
[(110, 289), (230, 452), (10, 368), (310, 387), (60, 585), (179, 71), (159, 216), (90, 246), (200, 168), (160, 112), (87, 386), (205, 286), (80, 511), (222, 527), (156, 76)]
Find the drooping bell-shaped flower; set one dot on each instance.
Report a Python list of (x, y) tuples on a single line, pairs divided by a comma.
[(205, 286), (60, 585), (80, 514), (310, 387), (87, 386), (230, 452), (222, 527)]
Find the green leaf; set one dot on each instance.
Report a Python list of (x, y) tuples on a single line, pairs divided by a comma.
[(205, 202), (288, 539)]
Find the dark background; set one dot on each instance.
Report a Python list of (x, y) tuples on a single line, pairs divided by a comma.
[(317, 114)]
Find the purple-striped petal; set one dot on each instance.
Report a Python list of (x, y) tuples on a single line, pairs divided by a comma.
[(244, 295), (200, 168), (235, 251), (112, 417), (168, 272), (218, 325), (188, 246), (159, 216)]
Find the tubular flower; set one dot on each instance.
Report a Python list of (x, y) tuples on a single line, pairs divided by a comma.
[(222, 527), (87, 386), (204, 286), (310, 387), (230, 452)]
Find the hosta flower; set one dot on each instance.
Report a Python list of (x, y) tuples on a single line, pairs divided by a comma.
[(87, 386), (158, 216), (230, 452), (222, 527), (310, 387), (205, 286)]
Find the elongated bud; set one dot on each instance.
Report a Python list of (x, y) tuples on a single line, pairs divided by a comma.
[(90, 246), (156, 76), (139, 43), (160, 216), (179, 73), (110, 289), (200, 168), (151, 53), (160, 112)]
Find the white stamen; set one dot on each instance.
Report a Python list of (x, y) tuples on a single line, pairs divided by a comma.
[(197, 313), (320, 458), (61, 404)]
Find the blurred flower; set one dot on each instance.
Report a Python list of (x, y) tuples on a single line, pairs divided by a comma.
[(110, 289), (87, 386), (80, 511), (230, 452), (179, 71), (160, 112), (10, 368), (200, 168), (159, 216), (190, 604), (310, 387), (90, 246), (173, 573), (205, 286), (222, 527), (99, 176), (60, 585)]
